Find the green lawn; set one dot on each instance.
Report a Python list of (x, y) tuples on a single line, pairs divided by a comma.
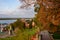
[(21, 35)]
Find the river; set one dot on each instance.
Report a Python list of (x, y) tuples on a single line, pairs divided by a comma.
[(7, 21)]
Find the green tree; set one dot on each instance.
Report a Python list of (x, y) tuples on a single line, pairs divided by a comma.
[(18, 24)]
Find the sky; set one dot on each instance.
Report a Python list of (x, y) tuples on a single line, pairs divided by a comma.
[(11, 9)]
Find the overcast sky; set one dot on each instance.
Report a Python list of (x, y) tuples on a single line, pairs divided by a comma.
[(11, 8)]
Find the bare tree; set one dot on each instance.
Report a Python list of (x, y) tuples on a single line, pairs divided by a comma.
[(27, 3)]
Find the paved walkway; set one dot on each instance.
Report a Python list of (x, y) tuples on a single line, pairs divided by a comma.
[(5, 34)]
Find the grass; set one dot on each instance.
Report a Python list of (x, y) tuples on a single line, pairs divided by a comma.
[(21, 35)]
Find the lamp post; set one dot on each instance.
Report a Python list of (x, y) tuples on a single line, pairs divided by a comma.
[(1, 28)]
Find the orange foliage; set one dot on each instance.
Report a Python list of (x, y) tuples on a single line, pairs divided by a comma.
[(50, 14)]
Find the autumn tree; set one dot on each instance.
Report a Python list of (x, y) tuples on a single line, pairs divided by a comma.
[(49, 13)]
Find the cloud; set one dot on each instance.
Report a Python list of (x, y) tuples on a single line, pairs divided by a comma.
[(13, 10), (22, 13)]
